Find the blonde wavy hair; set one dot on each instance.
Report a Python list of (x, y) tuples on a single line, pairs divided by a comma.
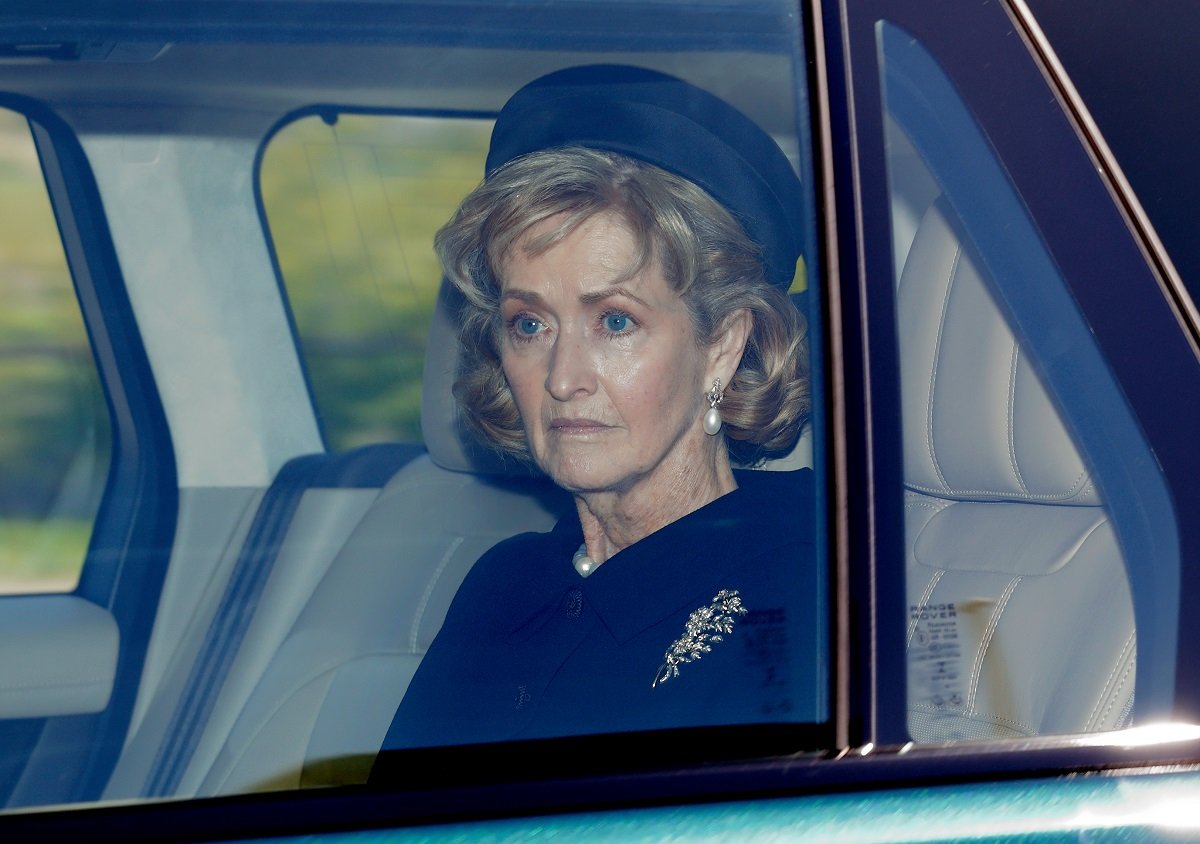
[(702, 250)]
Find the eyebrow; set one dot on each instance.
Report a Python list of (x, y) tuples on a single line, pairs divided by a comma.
[(609, 292), (592, 298), (523, 296)]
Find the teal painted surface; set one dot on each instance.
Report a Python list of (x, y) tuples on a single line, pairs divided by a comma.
[(1154, 807)]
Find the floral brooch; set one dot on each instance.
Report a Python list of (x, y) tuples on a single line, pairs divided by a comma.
[(704, 626)]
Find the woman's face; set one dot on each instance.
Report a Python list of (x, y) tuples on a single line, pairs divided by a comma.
[(607, 374)]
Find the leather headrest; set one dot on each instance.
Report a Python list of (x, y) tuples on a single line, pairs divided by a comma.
[(978, 424), (447, 439)]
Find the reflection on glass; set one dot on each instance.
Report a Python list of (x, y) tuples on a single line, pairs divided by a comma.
[(352, 205), (54, 435), (1022, 565)]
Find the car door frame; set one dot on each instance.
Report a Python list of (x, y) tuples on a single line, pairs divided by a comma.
[(69, 758), (871, 753)]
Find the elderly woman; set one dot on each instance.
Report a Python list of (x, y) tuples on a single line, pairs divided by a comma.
[(626, 329)]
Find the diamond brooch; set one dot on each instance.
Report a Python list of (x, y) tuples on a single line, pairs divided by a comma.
[(704, 626)]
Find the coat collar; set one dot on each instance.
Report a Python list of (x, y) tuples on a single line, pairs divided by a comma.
[(684, 564)]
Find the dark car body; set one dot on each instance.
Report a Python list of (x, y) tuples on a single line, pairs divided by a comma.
[(222, 650)]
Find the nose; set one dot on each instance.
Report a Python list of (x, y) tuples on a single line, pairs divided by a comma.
[(572, 371)]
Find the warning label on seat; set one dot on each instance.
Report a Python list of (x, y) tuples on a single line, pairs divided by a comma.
[(935, 657)]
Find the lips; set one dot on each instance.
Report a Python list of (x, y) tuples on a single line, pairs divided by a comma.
[(577, 426)]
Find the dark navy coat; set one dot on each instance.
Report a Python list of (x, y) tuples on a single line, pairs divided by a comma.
[(531, 649)]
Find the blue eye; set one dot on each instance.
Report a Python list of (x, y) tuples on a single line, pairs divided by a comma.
[(528, 326), (616, 323)]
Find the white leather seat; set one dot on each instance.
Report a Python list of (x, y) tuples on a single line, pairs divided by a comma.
[(323, 704), (1020, 616), (362, 582)]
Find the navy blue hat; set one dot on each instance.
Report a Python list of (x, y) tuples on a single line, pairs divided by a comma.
[(671, 124)]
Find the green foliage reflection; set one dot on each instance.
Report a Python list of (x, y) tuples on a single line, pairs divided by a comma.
[(54, 436), (352, 208)]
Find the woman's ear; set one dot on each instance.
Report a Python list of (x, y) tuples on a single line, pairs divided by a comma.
[(725, 354)]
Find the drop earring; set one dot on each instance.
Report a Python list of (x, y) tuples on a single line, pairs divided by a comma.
[(712, 417)]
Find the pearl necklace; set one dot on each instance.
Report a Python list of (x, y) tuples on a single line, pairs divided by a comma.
[(584, 564)]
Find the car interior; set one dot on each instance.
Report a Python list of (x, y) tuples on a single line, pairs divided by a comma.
[(1020, 610), (299, 586), (1005, 525), (302, 585)]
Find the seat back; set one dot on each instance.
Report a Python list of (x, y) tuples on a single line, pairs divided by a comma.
[(319, 709), (1020, 615), (358, 586)]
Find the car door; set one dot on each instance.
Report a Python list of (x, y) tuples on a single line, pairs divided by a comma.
[(1004, 357), (91, 477)]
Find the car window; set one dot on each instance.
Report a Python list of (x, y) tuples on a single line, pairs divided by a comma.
[(54, 452), (258, 214), (352, 202), (1023, 561)]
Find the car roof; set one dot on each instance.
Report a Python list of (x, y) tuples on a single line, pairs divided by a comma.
[(276, 56)]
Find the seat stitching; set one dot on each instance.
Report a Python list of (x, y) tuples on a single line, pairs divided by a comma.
[(983, 717), (919, 500), (1105, 692), (1079, 484), (1103, 696), (992, 493), (1077, 487), (1012, 420), (937, 353), (430, 585), (1110, 700), (1124, 678), (1008, 722), (988, 634)]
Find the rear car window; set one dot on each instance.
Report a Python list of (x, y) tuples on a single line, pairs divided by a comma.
[(352, 202), (54, 430)]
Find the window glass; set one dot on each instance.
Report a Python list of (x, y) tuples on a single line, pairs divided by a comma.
[(1021, 584), (258, 206), (54, 434), (353, 202)]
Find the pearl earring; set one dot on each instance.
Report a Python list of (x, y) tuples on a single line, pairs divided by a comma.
[(712, 418)]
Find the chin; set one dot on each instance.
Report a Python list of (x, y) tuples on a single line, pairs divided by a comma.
[(581, 482), (577, 478)]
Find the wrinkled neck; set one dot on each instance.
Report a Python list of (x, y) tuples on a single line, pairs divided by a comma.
[(615, 519)]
